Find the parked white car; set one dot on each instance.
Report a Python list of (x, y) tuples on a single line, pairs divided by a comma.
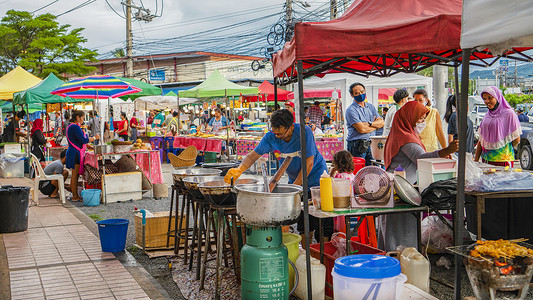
[(477, 113)]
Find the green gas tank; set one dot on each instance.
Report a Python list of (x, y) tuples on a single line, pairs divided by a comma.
[(264, 265)]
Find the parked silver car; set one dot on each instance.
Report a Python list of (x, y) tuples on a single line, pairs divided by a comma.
[(477, 113)]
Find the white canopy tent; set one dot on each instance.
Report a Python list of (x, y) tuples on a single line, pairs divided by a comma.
[(497, 25), (343, 81), (161, 102)]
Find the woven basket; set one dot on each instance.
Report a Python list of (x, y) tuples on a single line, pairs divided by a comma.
[(186, 158)]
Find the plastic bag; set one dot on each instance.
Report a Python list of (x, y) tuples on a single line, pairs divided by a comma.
[(438, 234), (440, 194), (503, 181), (472, 171), (338, 240)]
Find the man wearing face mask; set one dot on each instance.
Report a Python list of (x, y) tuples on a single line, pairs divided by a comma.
[(362, 119)]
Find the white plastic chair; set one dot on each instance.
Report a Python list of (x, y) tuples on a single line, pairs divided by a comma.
[(41, 176)]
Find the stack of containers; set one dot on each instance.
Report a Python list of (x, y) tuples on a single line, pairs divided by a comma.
[(435, 169)]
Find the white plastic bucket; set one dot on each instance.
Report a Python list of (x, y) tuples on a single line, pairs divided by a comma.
[(355, 286)]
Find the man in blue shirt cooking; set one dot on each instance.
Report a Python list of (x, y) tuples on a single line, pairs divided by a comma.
[(285, 138), (362, 119)]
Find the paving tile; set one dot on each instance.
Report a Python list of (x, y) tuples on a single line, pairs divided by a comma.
[(71, 296)]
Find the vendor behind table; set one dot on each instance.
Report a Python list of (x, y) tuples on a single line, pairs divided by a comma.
[(284, 138), (404, 147)]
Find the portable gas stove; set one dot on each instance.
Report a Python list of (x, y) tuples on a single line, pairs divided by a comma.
[(502, 278)]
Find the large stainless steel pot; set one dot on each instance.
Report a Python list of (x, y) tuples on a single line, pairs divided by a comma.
[(280, 207), (179, 174), (192, 182)]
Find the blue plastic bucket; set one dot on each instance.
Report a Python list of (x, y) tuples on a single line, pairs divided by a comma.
[(91, 197), (113, 234)]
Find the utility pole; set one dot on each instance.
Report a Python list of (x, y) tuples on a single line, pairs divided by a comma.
[(129, 41), (515, 82), (288, 24), (333, 9), (142, 14)]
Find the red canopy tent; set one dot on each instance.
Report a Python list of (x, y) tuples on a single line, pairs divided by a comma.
[(266, 93), (381, 38), (316, 93)]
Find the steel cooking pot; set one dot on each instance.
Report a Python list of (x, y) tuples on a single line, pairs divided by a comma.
[(221, 166), (192, 182), (280, 207), (179, 174), (220, 193)]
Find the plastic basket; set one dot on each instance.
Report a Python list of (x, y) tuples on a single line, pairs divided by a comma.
[(91, 197)]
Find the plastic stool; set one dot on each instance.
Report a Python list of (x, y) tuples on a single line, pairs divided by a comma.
[(169, 147), (366, 232)]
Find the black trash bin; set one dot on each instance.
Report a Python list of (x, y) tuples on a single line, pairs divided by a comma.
[(14, 208)]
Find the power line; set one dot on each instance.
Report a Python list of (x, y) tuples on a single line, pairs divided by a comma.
[(77, 7), (43, 6), (114, 10)]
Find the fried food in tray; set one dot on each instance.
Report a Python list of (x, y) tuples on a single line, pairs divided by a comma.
[(506, 249)]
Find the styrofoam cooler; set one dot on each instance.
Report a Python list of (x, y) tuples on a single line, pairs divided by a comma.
[(377, 146), (11, 165), (435, 169), (123, 186), (12, 148)]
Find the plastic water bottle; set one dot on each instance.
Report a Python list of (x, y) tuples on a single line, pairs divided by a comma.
[(416, 267)]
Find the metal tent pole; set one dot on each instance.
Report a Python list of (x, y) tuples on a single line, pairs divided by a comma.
[(179, 113), (28, 151), (275, 94), (304, 178), (462, 106)]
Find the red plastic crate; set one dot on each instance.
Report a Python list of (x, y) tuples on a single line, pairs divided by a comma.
[(329, 261)]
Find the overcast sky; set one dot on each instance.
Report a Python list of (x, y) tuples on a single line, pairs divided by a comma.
[(105, 30)]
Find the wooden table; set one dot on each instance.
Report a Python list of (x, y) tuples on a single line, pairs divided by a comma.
[(482, 196), (363, 212)]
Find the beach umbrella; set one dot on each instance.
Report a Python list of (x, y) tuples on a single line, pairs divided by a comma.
[(96, 87)]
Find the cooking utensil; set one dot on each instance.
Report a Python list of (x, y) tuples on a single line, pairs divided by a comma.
[(179, 174), (406, 191), (192, 182), (286, 162), (220, 193), (221, 166), (265, 178), (282, 206)]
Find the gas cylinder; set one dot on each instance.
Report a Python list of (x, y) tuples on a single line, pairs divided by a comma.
[(264, 264)]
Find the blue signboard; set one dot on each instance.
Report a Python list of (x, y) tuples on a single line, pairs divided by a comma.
[(157, 75)]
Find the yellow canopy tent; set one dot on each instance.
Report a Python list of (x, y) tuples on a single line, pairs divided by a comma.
[(16, 80)]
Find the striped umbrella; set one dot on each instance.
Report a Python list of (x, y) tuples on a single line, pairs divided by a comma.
[(96, 87)]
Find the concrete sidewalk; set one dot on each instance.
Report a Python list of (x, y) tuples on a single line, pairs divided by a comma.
[(59, 257)]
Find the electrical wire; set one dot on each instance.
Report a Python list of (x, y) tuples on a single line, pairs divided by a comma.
[(43, 6), (77, 7), (114, 10)]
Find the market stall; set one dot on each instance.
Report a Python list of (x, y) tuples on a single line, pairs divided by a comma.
[(405, 45)]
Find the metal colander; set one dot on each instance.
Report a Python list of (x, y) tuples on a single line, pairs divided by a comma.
[(372, 183)]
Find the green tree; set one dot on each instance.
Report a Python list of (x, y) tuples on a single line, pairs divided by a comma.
[(42, 46), (118, 52)]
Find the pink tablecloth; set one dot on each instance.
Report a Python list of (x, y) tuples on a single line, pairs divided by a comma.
[(141, 159), (328, 148), (201, 144)]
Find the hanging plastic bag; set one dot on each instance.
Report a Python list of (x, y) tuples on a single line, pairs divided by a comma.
[(338, 240), (438, 234)]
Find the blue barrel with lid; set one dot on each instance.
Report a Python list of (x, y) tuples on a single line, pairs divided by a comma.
[(367, 276)]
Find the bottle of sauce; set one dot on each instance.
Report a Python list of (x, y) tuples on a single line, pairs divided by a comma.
[(399, 171), (326, 192)]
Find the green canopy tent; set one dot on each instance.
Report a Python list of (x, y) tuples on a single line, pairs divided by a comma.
[(147, 89), (217, 86), (40, 93), (7, 106)]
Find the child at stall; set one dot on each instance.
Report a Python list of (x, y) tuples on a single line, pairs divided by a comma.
[(342, 168)]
